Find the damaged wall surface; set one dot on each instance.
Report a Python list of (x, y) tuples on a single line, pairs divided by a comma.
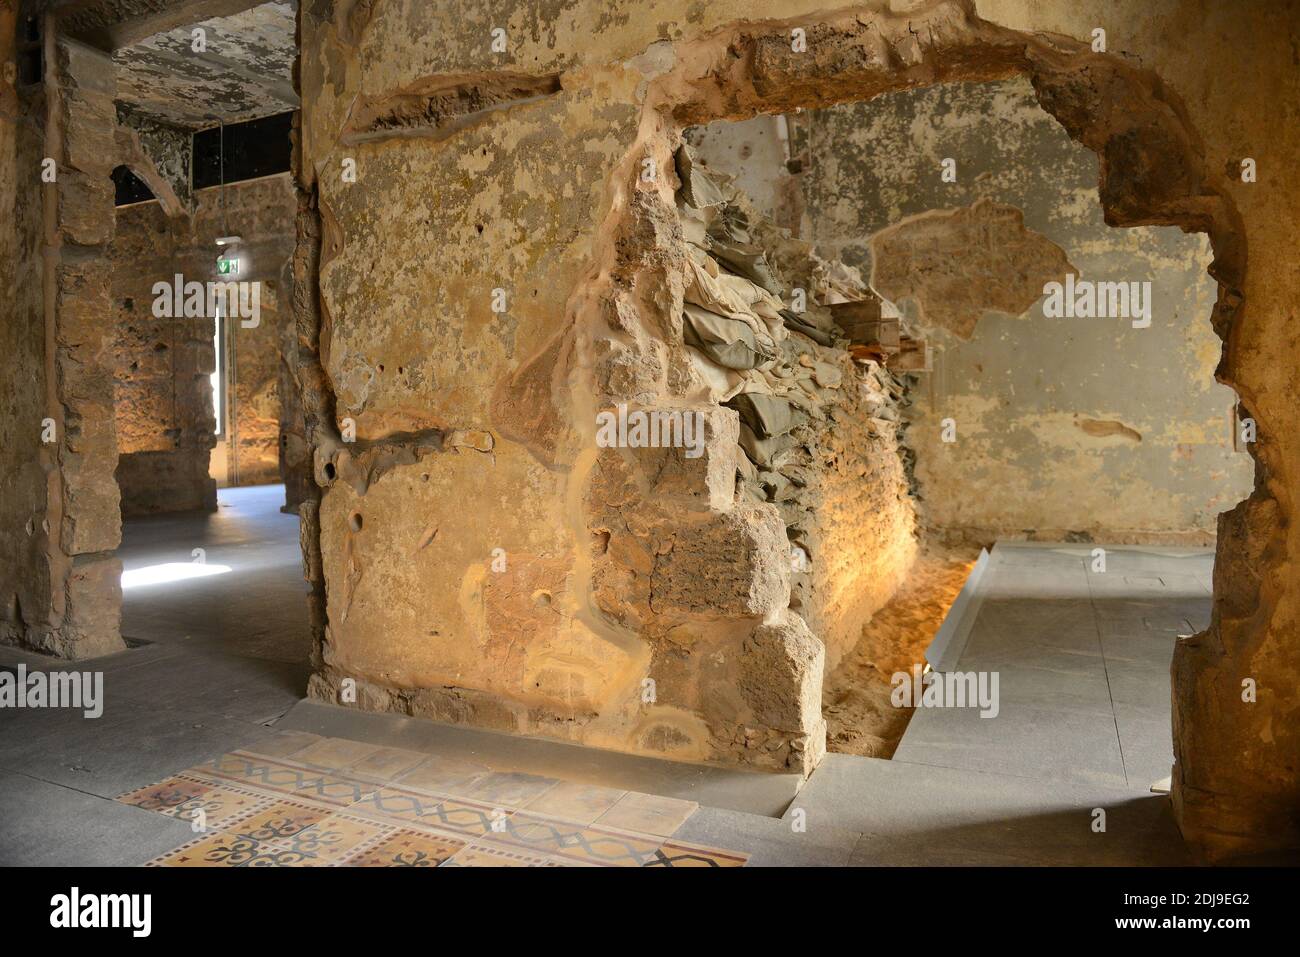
[(1065, 428), (628, 597)]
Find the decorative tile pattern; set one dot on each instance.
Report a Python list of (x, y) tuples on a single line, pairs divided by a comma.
[(277, 823), (408, 849), (677, 854), (336, 839), (586, 845), (486, 855), (228, 850), (413, 809), (208, 805), (281, 777), (335, 803)]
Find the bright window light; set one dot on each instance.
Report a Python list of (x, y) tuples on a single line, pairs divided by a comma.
[(170, 572)]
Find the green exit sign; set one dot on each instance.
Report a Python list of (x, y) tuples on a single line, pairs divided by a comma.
[(228, 267)]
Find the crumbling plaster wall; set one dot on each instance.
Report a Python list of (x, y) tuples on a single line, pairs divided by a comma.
[(396, 572), (1080, 428), (163, 394), (838, 475)]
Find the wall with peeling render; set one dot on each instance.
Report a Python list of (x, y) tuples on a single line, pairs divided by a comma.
[(384, 546), (1079, 429), (1086, 429), (169, 147), (837, 475), (163, 395)]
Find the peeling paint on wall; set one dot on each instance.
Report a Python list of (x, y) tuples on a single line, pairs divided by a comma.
[(1015, 383)]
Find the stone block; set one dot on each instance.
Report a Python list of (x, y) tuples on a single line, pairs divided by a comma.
[(85, 207), (698, 474), (780, 675), (93, 617), (733, 563)]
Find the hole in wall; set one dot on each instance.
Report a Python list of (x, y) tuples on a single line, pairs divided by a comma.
[(764, 80), (977, 346)]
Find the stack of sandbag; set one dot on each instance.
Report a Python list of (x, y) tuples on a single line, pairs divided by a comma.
[(780, 369)]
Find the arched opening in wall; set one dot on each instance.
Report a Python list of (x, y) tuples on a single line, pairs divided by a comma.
[(927, 397), (1149, 173)]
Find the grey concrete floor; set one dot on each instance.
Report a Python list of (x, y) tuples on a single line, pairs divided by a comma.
[(257, 609), (224, 667), (1083, 660)]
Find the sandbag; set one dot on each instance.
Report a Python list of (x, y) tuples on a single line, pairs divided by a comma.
[(730, 343), (697, 188)]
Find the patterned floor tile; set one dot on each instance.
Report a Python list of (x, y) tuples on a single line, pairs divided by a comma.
[(336, 839), (648, 813), (676, 854), (229, 850), (407, 849), (506, 788), (442, 776), (277, 776), (588, 845), (405, 807), (483, 855), (260, 810), (166, 796), (210, 804), (582, 803), (278, 823)]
